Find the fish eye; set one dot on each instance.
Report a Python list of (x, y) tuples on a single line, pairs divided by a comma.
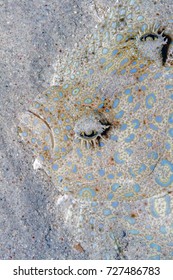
[(89, 134), (91, 128), (149, 36)]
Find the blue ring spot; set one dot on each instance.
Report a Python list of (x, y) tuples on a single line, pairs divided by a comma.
[(114, 24), (75, 91), (170, 120), (114, 204), (144, 27), (110, 196), (60, 179), (119, 37), (137, 106), (130, 99), (88, 101), (24, 134), (127, 91), (60, 94), (91, 71), (163, 229), (134, 70), (107, 212), (37, 105), (139, 18), (56, 130), (158, 119), (89, 176), (157, 76), (134, 231), (56, 149), (143, 77), (123, 127), (116, 102), (130, 194), (101, 105), (149, 144), (142, 168), (155, 246), (169, 86), (123, 71), (129, 16), (129, 151), (101, 172), (170, 131), (101, 144), (33, 140), (105, 51), (136, 188), (87, 190), (130, 220), (167, 146), (68, 127), (65, 86), (124, 61), (149, 237), (169, 181), (79, 153), (114, 138), (119, 114), (102, 60), (65, 138), (136, 123), (108, 66), (143, 88), (149, 136), (169, 76), (115, 186), (74, 170), (89, 161), (111, 176), (122, 12), (114, 52), (141, 65), (117, 158), (150, 100), (55, 167), (153, 127), (130, 138)]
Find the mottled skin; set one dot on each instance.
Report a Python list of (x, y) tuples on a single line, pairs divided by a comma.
[(119, 186)]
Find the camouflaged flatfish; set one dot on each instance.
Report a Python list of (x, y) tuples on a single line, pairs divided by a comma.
[(104, 136)]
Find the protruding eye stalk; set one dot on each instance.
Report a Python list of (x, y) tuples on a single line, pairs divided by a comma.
[(91, 128)]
